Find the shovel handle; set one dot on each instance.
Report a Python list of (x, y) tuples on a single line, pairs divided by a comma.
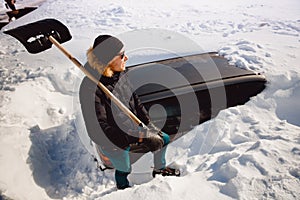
[(103, 88)]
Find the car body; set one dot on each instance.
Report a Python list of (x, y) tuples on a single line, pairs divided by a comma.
[(215, 83)]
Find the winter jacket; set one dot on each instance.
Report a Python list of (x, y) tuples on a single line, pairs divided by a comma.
[(106, 124)]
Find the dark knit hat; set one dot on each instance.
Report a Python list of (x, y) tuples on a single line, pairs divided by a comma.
[(106, 47)]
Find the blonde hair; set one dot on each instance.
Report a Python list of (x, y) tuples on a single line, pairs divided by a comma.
[(94, 62)]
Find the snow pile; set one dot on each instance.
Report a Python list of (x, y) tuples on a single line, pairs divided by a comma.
[(247, 152)]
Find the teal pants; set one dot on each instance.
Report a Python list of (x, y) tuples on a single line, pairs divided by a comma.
[(121, 161)]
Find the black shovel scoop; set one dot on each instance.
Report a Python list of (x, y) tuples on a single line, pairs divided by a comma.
[(35, 36)]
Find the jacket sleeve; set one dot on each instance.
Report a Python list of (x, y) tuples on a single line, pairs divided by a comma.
[(142, 113), (113, 133)]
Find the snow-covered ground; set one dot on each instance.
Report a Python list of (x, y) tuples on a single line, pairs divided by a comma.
[(256, 146)]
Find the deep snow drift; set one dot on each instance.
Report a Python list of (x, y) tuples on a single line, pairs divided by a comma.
[(247, 152)]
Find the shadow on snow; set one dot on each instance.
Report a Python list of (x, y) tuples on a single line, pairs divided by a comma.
[(59, 162)]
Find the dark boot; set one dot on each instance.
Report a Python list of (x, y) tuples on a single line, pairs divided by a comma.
[(121, 179), (167, 171)]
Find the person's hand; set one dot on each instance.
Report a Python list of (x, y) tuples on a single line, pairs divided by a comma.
[(151, 137)]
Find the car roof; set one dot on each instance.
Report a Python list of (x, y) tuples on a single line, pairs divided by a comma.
[(196, 69)]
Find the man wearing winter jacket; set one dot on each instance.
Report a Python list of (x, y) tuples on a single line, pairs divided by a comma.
[(109, 127)]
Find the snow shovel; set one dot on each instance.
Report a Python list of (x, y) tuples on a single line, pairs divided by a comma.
[(39, 36)]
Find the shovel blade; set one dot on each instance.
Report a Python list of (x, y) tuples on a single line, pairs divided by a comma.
[(35, 36)]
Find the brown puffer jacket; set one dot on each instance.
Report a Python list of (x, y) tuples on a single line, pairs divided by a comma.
[(106, 124)]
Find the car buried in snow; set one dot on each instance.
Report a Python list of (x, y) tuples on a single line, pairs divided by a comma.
[(185, 91)]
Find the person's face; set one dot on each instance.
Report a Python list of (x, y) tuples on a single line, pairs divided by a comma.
[(118, 62)]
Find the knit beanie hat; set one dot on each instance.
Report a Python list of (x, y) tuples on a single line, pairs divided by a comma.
[(106, 47)]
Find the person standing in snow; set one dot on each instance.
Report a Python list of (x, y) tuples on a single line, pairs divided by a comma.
[(11, 4), (111, 129)]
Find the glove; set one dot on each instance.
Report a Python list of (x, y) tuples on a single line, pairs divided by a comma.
[(152, 138)]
